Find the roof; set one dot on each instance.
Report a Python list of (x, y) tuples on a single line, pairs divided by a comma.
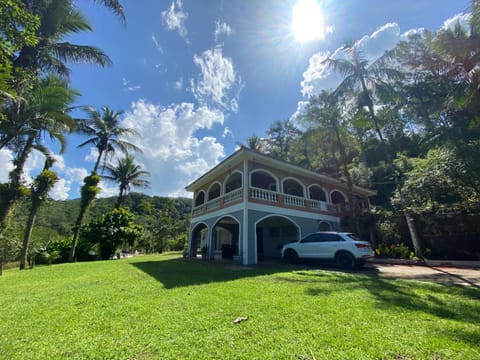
[(244, 153)]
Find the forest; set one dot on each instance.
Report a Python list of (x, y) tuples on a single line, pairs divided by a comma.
[(406, 125)]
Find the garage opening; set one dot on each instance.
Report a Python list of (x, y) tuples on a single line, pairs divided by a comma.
[(272, 233), (226, 238), (199, 239)]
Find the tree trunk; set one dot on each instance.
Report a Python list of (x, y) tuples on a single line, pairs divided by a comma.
[(27, 236), (417, 244), (76, 233)]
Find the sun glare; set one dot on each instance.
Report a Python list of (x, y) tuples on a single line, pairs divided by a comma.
[(307, 21)]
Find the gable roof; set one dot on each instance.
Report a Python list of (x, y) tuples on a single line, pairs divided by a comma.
[(244, 153)]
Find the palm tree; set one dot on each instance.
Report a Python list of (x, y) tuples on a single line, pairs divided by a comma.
[(126, 173), (104, 131), (363, 80), (42, 184), (58, 20), (44, 112)]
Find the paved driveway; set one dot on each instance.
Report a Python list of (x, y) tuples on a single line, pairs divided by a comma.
[(445, 275)]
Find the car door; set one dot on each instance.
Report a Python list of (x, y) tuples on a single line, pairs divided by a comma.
[(328, 244), (309, 246)]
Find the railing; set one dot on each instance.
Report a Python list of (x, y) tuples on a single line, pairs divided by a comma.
[(276, 199), (233, 195), (262, 194), (318, 205), (293, 200)]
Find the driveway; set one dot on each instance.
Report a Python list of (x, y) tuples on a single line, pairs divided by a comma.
[(443, 275)]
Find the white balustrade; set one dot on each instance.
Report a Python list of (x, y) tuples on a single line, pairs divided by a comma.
[(294, 200), (262, 194), (318, 205), (233, 195)]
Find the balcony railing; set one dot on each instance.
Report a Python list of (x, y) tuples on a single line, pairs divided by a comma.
[(276, 199)]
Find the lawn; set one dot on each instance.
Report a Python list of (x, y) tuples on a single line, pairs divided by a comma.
[(165, 307)]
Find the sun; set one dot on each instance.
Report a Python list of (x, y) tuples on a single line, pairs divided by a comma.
[(308, 21)]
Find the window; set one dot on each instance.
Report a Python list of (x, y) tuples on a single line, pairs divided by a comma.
[(329, 237)]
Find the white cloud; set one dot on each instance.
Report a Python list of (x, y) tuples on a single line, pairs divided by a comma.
[(463, 19), (157, 44), (178, 85), (174, 18), (216, 80), (61, 190), (92, 155), (171, 152), (221, 29), (227, 132), (6, 164), (318, 77), (127, 85)]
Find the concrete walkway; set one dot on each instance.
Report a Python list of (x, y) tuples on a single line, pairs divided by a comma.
[(466, 276)]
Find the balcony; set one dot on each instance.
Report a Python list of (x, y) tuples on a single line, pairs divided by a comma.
[(272, 198)]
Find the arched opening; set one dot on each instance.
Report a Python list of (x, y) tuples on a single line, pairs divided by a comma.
[(324, 226), (272, 233), (293, 187), (317, 193), (337, 197), (200, 198), (199, 239), (214, 191), (233, 182), (226, 234), (263, 180)]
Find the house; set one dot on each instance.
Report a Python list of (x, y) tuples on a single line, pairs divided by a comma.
[(255, 204)]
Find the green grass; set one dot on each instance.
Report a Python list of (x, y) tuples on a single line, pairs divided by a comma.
[(163, 307)]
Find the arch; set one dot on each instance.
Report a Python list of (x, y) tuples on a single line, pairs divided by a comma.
[(214, 191), (226, 237), (324, 226), (338, 197), (292, 186), (316, 192), (233, 182), (198, 238), (272, 232), (263, 179), (200, 198)]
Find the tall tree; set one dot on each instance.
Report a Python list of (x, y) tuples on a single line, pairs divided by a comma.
[(45, 112), (42, 184), (105, 132), (126, 173)]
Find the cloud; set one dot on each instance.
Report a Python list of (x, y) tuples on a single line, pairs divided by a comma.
[(319, 77), (6, 164), (216, 80), (157, 45), (174, 19), (178, 85), (463, 19), (221, 29), (127, 86), (61, 190), (172, 152)]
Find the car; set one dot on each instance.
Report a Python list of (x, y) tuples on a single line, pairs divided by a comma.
[(344, 248)]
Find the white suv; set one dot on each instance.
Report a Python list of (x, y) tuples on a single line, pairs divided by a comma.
[(345, 249)]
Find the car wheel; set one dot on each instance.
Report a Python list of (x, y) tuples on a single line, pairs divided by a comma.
[(291, 256), (345, 260)]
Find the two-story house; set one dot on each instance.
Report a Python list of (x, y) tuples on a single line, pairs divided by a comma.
[(256, 204)]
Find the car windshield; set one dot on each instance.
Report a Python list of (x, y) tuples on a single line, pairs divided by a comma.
[(354, 237)]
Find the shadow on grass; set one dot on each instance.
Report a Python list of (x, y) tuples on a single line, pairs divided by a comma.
[(430, 298), (180, 272)]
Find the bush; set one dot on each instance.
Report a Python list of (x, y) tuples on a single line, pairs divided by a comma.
[(397, 251)]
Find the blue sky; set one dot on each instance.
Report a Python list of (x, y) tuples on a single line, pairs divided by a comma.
[(196, 77)]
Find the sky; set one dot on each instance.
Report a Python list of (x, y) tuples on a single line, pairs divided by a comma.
[(196, 77)]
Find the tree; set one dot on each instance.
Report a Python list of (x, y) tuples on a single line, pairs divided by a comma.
[(104, 131), (115, 229), (45, 112), (126, 173), (281, 136), (42, 184), (364, 81)]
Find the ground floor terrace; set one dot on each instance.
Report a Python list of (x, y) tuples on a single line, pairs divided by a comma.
[(249, 236)]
